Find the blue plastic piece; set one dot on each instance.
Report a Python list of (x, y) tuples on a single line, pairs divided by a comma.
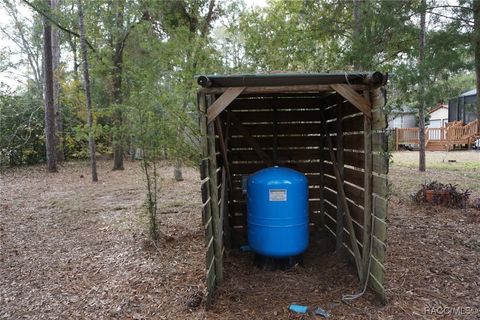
[(277, 205), (298, 308)]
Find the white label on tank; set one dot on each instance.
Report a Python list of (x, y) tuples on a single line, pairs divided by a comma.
[(277, 195)]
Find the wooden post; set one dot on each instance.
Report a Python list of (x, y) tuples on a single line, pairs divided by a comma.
[(206, 201), (223, 149), (322, 181), (275, 137), (396, 139), (217, 225), (341, 191), (367, 185), (379, 201), (340, 205)]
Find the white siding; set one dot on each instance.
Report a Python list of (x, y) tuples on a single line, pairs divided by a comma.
[(402, 121), (438, 118)]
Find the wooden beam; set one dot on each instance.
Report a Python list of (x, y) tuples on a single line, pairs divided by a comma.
[(255, 145), (223, 150), (322, 181), (341, 191), (367, 185), (275, 137), (314, 88), (340, 209), (354, 98), (221, 103), (207, 209)]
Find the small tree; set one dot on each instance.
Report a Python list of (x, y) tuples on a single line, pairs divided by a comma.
[(88, 100)]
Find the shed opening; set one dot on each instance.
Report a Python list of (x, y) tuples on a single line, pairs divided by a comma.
[(330, 127)]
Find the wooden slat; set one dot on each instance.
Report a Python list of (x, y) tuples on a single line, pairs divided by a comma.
[(354, 97), (282, 155), (249, 168), (282, 141), (283, 128), (240, 206), (354, 176), (380, 186), (221, 103), (282, 116), (253, 143), (280, 103), (380, 207)]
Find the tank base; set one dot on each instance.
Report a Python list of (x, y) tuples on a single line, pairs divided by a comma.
[(272, 264)]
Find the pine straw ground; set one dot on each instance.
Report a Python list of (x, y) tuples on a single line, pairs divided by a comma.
[(70, 249)]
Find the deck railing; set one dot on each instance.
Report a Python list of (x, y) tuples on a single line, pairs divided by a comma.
[(453, 133)]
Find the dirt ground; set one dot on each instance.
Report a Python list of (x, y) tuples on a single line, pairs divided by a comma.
[(70, 249)]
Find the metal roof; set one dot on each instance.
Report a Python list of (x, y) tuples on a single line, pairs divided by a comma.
[(472, 92), (290, 79)]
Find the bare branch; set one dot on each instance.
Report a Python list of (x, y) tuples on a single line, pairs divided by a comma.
[(44, 14)]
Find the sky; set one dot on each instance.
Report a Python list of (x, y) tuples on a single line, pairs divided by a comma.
[(15, 77)]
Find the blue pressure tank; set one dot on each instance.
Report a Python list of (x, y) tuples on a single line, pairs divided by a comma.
[(277, 205)]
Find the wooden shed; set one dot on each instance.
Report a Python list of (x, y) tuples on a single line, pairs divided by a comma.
[(331, 127)]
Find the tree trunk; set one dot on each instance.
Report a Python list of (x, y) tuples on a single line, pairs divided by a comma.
[(177, 170), (49, 110), (117, 89), (357, 27), (56, 90), (86, 82), (421, 85), (476, 46)]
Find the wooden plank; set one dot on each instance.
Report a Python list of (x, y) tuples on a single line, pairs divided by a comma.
[(290, 128), (221, 103), (282, 141), (380, 186), (352, 175), (282, 116), (351, 192), (240, 206), (283, 89), (280, 103), (258, 149), (354, 97), (249, 168), (203, 168), (380, 163), (282, 155), (237, 193), (380, 207), (205, 192)]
